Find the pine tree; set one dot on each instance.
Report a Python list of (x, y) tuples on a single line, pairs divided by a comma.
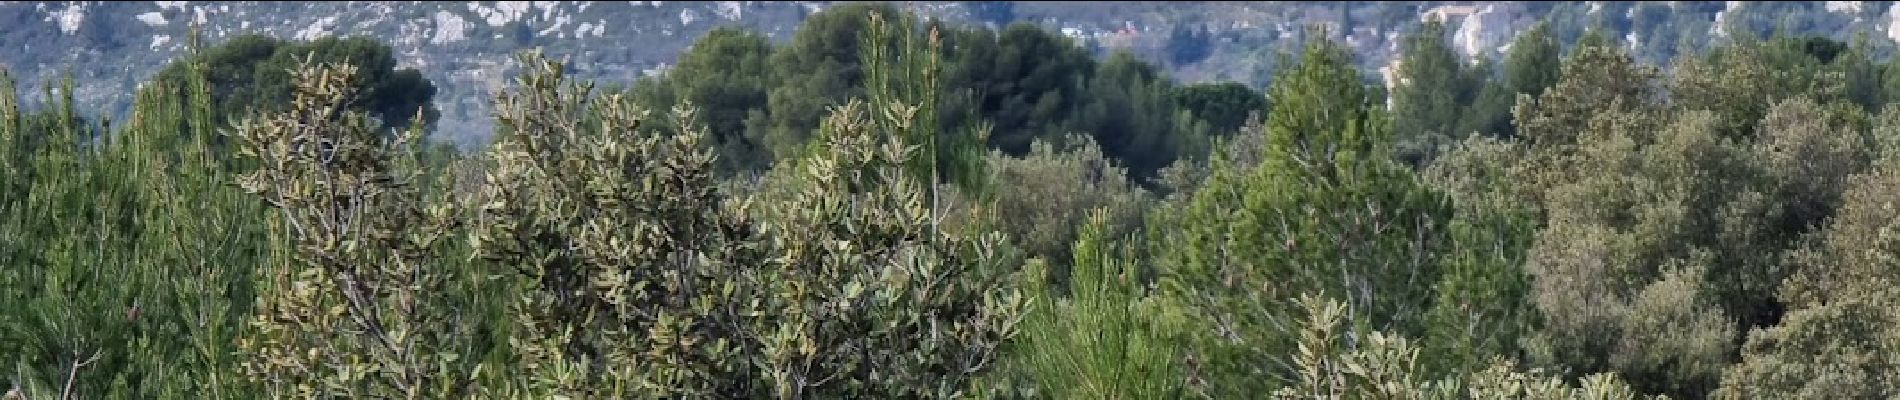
[(1327, 211), (125, 275), (1431, 93)]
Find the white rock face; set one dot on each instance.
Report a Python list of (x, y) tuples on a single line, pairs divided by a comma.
[(1478, 32), (555, 28), (1847, 7), (1479, 28), (1720, 27), (160, 40), (69, 18), (152, 18), (730, 10), (317, 30), (1893, 22), (171, 5), (546, 7), (687, 16), (503, 12), (449, 28), (596, 29), (412, 34)]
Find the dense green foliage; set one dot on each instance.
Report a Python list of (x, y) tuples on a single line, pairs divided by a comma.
[(251, 73), (939, 212), (124, 274), (1433, 84), (1010, 87), (1225, 106), (354, 303)]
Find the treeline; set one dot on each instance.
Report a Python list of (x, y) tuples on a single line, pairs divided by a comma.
[(762, 102), (1572, 223)]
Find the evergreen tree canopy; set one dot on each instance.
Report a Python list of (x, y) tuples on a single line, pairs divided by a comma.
[(253, 73)]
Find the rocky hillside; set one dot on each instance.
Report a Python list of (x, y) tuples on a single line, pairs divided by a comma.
[(466, 47)]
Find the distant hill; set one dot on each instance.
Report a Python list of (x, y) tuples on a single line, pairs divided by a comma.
[(466, 47)]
